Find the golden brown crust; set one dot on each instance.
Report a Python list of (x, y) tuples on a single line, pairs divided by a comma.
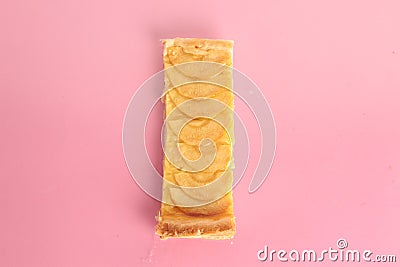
[(213, 220), (202, 227)]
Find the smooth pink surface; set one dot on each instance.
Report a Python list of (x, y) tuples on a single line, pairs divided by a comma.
[(329, 69)]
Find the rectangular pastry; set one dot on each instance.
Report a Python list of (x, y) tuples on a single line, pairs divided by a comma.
[(198, 140)]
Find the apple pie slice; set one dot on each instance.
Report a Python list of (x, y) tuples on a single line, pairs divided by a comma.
[(198, 140)]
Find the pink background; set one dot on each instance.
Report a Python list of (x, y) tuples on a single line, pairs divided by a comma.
[(329, 69)]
